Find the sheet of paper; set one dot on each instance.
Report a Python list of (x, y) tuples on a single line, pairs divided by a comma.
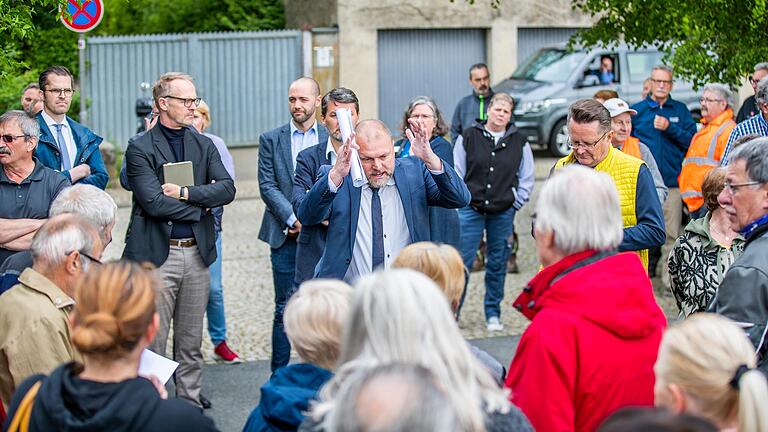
[(157, 365), (344, 117)]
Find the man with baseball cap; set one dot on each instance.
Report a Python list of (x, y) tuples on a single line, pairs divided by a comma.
[(621, 124)]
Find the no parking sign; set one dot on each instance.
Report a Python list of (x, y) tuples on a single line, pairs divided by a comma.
[(82, 15)]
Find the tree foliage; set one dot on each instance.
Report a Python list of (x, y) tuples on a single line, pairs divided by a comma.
[(704, 40), (32, 37), (182, 16)]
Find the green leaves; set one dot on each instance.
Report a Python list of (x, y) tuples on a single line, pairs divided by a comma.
[(706, 40)]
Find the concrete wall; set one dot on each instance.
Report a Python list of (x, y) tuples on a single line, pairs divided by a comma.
[(359, 20), (306, 14)]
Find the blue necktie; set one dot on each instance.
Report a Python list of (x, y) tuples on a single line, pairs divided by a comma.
[(65, 163), (377, 257)]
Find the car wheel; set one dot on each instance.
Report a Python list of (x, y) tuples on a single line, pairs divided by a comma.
[(558, 140)]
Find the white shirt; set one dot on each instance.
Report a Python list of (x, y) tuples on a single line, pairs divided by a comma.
[(330, 152), (396, 234), (67, 132)]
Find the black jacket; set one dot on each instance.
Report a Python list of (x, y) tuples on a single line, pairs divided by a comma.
[(67, 403), (153, 213), (492, 167), (743, 294)]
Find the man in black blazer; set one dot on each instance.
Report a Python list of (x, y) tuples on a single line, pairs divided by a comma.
[(172, 226), (312, 237), (278, 150)]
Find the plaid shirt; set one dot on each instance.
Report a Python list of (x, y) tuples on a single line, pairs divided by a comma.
[(753, 125)]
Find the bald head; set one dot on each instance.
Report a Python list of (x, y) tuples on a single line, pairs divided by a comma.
[(307, 82), (377, 151)]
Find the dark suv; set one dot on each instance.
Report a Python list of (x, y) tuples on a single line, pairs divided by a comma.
[(547, 83)]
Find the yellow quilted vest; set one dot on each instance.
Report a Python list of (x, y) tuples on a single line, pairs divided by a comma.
[(623, 169)]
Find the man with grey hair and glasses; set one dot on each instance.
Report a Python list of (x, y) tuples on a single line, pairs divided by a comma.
[(89, 202), (707, 146), (34, 330), (743, 294), (27, 187), (589, 135), (758, 124), (749, 106)]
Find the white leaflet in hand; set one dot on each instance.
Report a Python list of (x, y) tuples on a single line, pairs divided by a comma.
[(344, 117), (152, 363)]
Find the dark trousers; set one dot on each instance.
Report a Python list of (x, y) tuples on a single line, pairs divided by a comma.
[(283, 268)]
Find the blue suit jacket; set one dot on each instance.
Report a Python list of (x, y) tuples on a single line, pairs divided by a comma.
[(418, 189), (87, 143), (311, 240), (276, 181)]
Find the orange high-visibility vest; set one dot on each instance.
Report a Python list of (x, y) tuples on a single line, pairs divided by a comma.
[(632, 147), (705, 152)]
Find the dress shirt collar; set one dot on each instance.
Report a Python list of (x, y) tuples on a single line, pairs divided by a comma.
[(50, 121), (295, 129)]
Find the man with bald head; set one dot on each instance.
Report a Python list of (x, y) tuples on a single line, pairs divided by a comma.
[(369, 225), (278, 150)]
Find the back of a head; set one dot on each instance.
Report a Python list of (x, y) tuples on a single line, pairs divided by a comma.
[(641, 419), (710, 359), (401, 316), (581, 206), (115, 305), (605, 94), (393, 398), (89, 202), (440, 262), (61, 235), (314, 318)]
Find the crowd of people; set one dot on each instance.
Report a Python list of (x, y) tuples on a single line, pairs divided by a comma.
[(372, 240)]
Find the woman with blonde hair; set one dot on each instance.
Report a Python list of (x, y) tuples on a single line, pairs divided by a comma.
[(113, 321), (706, 367), (443, 264), (401, 316)]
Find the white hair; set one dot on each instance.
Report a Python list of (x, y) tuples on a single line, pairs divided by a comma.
[(60, 236), (581, 206), (722, 91), (402, 316), (89, 202)]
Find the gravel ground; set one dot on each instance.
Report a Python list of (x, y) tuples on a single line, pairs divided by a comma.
[(248, 294)]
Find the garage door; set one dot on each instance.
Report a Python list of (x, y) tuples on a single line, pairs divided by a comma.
[(531, 39), (425, 62)]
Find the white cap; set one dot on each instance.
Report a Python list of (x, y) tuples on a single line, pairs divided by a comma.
[(617, 106)]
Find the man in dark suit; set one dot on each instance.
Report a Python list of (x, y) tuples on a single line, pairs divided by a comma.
[(172, 225), (370, 224), (278, 150), (312, 237)]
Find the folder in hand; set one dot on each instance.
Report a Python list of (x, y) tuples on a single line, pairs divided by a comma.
[(179, 173)]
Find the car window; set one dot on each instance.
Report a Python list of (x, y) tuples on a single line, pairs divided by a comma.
[(604, 76), (639, 64), (550, 65)]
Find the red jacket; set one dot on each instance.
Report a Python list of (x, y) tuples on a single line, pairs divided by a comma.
[(592, 342)]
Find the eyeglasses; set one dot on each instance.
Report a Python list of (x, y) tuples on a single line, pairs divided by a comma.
[(732, 188), (753, 81), (62, 92), (421, 116), (708, 100), (10, 138), (574, 145), (658, 81), (90, 258), (188, 102)]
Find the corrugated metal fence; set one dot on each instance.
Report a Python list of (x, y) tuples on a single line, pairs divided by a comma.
[(241, 75)]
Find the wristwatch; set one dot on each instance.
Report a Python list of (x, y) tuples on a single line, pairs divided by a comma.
[(182, 195)]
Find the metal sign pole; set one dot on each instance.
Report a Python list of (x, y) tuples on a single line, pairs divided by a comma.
[(83, 79)]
